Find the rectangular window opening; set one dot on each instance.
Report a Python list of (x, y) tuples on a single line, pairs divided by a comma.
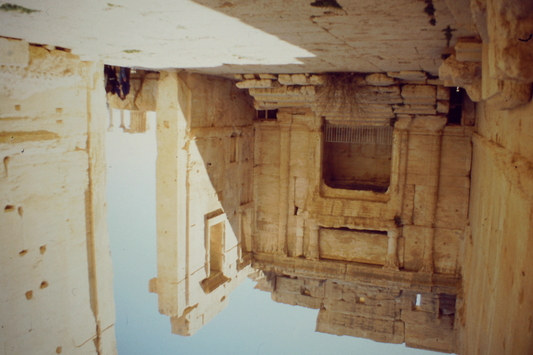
[(455, 114), (267, 114), (216, 254), (357, 157)]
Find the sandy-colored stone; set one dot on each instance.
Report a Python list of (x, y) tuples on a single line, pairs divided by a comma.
[(267, 176), (14, 52), (52, 187), (408, 75), (468, 51), (459, 72), (262, 83), (379, 79)]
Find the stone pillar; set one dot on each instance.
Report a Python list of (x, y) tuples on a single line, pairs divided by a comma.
[(284, 162), (172, 198), (426, 135), (313, 252), (391, 262)]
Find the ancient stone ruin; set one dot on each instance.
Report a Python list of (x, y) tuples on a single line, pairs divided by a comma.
[(385, 181)]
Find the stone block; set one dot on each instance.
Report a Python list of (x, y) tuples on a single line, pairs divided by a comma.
[(425, 201), (419, 94), (249, 76), (452, 207), (443, 93), (333, 290), (344, 324), (456, 156), (289, 285), (415, 109), (379, 79), (378, 293), (422, 159), (415, 237), (414, 82), (337, 244), (385, 309), (460, 73), (408, 75), (436, 338), (300, 79), (418, 316), (460, 9), (285, 79), (14, 52), (474, 90), (489, 85), (510, 95), (443, 107), (446, 249), (262, 83), (297, 300), (428, 125), (317, 80), (468, 51), (408, 204), (509, 23), (436, 82), (268, 76)]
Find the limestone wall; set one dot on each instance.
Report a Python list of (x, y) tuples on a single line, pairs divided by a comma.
[(56, 276), (497, 317), (204, 196), (370, 307), (425, 202), (384, 237)]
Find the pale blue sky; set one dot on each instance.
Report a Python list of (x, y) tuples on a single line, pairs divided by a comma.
[(251, 324)]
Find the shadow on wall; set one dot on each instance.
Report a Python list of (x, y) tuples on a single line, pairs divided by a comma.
[(204, 196), (351, 36)]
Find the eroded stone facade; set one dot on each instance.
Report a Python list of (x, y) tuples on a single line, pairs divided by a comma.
[(264, 179), (56, 279)]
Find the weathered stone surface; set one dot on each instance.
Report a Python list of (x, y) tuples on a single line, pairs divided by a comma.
[(146, 99), (460, 10), (45, 71), (379, 79), (268, 76), (285, 79), (345, 324), (14, 52), (501, 211), (408, 75), (510, 22), (55, 257), (419, 94), (511, 95), (415, 109), (468, 51), (353, 246), (460, 73), (262, 83), (443, 107)]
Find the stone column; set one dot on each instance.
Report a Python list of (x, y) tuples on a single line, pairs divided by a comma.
[(391, 262), (284, 161), (426, 132), (313, 251)]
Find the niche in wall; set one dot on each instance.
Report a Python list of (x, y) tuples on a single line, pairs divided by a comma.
[(357, 157)]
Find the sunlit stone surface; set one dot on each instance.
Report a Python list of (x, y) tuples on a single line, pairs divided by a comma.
[(396, 207)]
